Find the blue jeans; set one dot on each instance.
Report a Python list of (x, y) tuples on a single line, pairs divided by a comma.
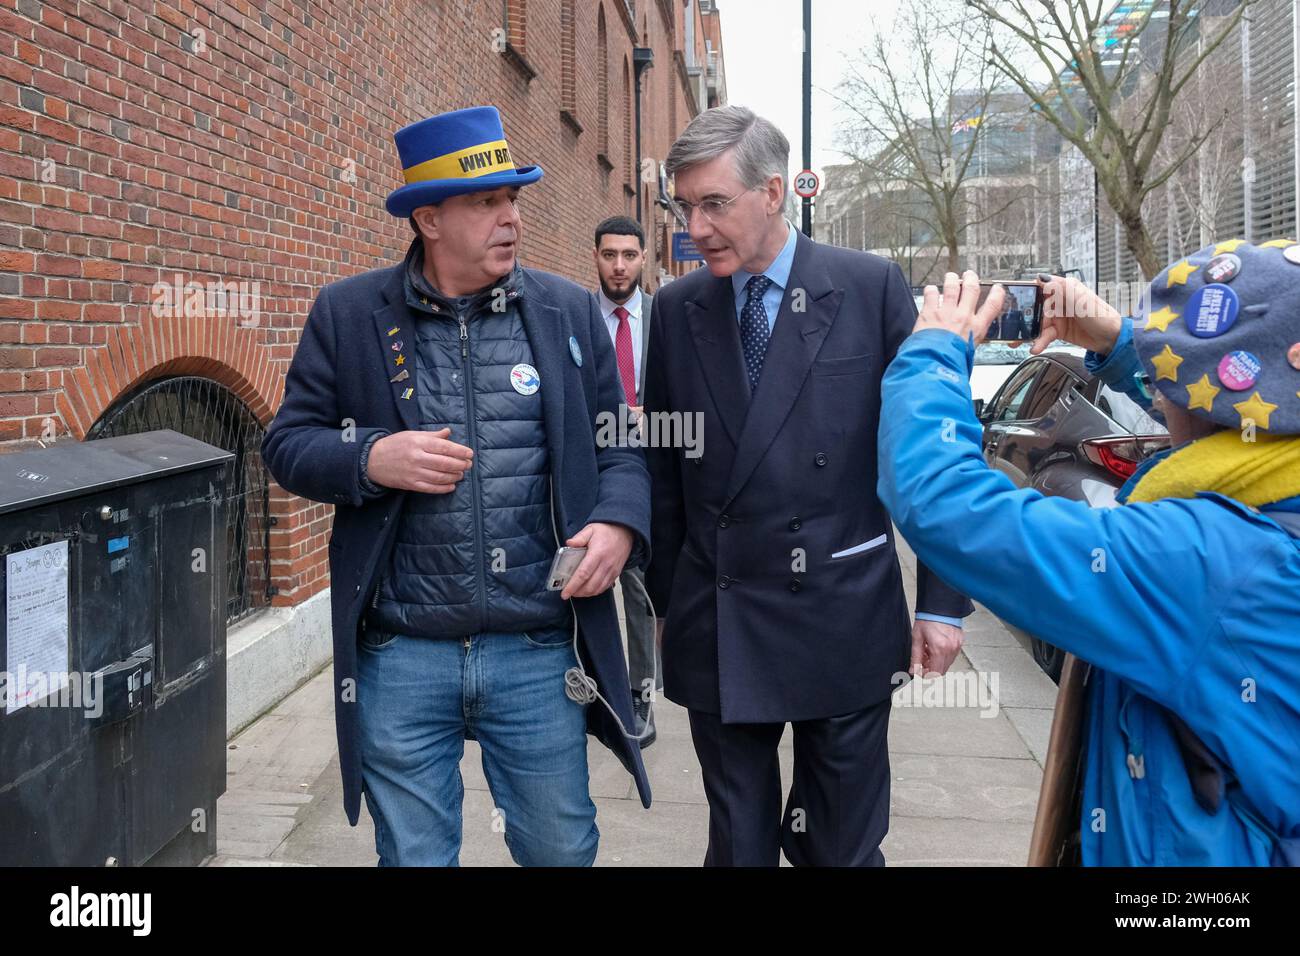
[(420, 698)]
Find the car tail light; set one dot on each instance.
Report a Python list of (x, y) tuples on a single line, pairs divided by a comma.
[(1121, 456)]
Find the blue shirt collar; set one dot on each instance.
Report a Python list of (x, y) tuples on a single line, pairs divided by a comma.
[(778, 271)]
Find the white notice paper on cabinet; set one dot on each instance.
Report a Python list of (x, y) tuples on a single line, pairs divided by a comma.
[(36, 620)]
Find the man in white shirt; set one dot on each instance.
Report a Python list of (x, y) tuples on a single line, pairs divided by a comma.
[(620, 257)]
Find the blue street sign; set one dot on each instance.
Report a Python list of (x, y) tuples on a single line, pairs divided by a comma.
[(684, 249)]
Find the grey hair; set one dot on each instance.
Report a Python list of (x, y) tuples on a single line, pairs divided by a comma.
[(762, 151)]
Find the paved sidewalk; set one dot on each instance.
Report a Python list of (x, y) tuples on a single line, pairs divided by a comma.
[(964, 785)]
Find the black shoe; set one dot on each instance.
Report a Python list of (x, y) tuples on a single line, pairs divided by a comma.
[(643, 717)]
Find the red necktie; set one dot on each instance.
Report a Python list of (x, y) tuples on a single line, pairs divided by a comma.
[(623, 350)]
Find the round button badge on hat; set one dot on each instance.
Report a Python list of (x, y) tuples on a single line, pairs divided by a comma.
[(1239, 370), (1234, 334), (1212, 310), (1223, 268)]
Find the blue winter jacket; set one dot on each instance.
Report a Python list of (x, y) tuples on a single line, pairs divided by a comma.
[(1188, 607)]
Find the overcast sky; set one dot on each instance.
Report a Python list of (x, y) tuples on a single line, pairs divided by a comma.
[(762, 49)]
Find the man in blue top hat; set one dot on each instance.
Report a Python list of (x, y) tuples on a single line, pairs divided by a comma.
[(1185, 600), (448, 407)]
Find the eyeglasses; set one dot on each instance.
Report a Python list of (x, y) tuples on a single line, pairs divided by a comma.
[(713, 209)]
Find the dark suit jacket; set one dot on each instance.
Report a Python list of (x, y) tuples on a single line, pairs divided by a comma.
[(763, 623), (341, 371), (647, 303)]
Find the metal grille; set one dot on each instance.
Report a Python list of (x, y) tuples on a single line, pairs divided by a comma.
[(210, 412)]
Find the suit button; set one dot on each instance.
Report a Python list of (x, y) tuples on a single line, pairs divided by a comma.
[(820, 459), (724, 520), (724, 582), (795, 585), (795, 524), (358, 590)]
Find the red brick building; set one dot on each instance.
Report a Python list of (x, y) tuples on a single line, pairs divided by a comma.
[(178, 179)]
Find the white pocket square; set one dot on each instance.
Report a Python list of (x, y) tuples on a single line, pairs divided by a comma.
[(864, 546)]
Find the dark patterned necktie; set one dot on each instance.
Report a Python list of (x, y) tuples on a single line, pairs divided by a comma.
[(754, 332)]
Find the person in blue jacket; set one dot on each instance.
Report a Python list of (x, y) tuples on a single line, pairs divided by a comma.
[(1186, 599)]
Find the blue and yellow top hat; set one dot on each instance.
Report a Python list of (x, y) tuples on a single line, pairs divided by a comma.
[(1222, 334), (463, 151)]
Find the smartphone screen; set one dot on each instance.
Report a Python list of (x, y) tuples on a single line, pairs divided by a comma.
[(1022, 311)]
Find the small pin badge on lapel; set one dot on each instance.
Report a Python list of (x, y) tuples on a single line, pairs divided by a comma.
[(401, 376), (397, 346), (400, 360), (575, 351), (408, 393), (394, 330), (524, 379)]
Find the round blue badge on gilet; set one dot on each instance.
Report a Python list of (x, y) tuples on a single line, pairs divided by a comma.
[(575, 351), (1211, 310)]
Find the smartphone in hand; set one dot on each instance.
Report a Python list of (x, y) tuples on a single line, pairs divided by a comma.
[(566, 562), (1022, 311)]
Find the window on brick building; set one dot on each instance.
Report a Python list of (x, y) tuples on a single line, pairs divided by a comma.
[(207, 410), (670, 78), (629, 183), (515, 16), (514, 19), (568, 65), (602, 90)]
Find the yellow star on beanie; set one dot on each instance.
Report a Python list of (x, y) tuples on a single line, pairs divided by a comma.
[(1179, 272), (1256, 410), (1202, 393), (1160, 320), (1166, 364)]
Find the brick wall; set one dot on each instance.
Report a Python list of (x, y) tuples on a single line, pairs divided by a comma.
[(151, 145)]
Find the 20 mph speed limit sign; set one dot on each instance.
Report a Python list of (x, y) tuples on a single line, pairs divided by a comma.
[(806, 184)]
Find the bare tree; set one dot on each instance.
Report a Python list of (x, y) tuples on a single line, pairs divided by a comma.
[(905, 92), (925, 118), (1114, 87), (1011, 244), (904, 220), (1204, 190)]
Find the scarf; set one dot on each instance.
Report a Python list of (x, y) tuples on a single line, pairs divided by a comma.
[(1255, 473)]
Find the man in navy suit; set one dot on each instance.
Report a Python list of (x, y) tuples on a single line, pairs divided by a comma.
[(772, 559), (448, 408)]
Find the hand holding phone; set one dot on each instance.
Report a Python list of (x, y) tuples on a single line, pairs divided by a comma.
[(1076, 314), (1021, 319), (562, 568), (963, 307)]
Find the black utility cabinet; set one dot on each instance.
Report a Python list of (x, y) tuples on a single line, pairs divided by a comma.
[(124, 769)]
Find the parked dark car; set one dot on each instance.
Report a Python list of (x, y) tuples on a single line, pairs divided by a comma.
[(1054, 427)]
